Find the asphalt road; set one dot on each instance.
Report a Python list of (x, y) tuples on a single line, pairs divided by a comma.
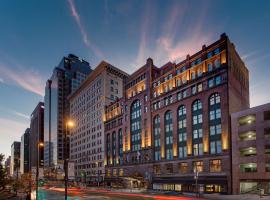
[(103, 195)]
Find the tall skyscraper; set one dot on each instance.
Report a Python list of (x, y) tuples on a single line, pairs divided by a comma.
[(37, 135), (15, 159), (25, 153), (66, 78), (87, 103)]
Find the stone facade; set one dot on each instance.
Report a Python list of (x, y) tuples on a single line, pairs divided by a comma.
[(166, 116)]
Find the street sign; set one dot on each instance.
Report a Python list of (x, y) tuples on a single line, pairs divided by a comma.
[(71, 173)]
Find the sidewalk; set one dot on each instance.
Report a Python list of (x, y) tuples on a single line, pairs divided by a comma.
[(235, 197)]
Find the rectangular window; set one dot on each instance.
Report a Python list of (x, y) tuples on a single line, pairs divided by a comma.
[(200, 87), (179, 96), (215, 165), (194, 89), (195, 149), (218, 80), (210, 83), (184, 93), (248, 167), (183, 167), (198, 166)]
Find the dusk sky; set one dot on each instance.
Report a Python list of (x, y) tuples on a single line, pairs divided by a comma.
[(35, 35)]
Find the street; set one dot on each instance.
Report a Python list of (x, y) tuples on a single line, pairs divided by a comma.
[(57, 194)]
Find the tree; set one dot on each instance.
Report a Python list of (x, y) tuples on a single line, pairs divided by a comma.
[(3, 173)]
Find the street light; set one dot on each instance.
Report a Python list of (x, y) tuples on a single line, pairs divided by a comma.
[(39, 144), (69, 124)]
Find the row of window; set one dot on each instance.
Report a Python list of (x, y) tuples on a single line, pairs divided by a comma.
[(193, 63), (183, 167), (214, 81)]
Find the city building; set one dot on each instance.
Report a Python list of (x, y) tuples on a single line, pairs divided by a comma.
[(7, 165), (15, 159), (37, 136), (251, 149), (66, 77), (25, 153), (174, 124), (87, 103)]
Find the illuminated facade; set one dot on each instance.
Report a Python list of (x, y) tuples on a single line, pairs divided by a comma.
[(176, 120), (103, 86), (251, 150)]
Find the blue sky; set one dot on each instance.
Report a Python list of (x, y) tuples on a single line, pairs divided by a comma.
[(35, 35)]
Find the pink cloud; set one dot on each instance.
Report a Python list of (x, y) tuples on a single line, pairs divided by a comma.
[(24, 78)]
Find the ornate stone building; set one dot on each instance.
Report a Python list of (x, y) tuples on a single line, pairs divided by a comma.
[(174, 121)]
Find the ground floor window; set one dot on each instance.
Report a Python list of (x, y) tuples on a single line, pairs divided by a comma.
[(213, 188), (248, 186)]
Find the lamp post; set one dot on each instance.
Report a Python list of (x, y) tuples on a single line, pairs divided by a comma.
[(69, 124), (196, 176), (39, 144)]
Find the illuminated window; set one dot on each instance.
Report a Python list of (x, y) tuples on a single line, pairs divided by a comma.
[(215, 165), (198, 166), (183, 167)]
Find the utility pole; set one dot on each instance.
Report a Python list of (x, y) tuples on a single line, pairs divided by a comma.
[(69, 124)]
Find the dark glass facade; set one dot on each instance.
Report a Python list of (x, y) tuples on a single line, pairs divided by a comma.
[(66, 78)]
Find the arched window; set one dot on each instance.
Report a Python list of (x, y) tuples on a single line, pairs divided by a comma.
[(215, 129), (168, 122), (136, 125), (156, 129), (120, 146), (197, 105), (197, 130), (114, 147), (182, 132)]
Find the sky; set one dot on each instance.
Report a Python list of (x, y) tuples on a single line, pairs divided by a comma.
[(35, 35)]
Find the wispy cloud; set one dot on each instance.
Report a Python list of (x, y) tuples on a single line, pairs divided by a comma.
[(84, 34), (1, 80), (23, 77), (21, 115), (146, 21), (169, 46)]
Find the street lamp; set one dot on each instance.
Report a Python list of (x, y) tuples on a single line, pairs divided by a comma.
[(39, 145), (69, 124)]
